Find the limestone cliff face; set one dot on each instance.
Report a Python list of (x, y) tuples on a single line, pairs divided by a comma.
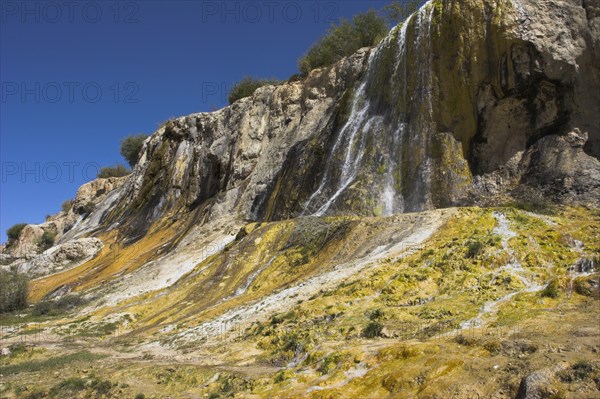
[(465, 101), (455, 93), (29, 256)]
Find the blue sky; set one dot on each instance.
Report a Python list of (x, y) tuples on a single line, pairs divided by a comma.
[(77, 76)]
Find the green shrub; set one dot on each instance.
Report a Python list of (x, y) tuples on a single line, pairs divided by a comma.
[(74, 384), (14, 291), (296, 342), (113, 171), (577, 372), (42, 309), (373, 330), (46, 241), (465, 340), (283, 375), (551, 290), (56, 307), (536, 204), (17, 349), (52, 364), (131, 146), (14, 232), (365, 30), (330, 362), (398, 11), (140, 396), (474, 248), (67, 205), (247, 86), (36, 395), (102, 387), (376, 314)]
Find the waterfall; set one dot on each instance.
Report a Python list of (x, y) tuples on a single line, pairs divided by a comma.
[(384, 130), (359, 110)]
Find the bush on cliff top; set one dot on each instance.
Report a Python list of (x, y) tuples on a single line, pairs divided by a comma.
[(13, 233), (247, 86), (113, 171), (131, 146), (365, 30)]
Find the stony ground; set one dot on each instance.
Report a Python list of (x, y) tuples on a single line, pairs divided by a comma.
[(459, 303)]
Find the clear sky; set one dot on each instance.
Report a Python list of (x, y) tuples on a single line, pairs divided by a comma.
[(77, 76)]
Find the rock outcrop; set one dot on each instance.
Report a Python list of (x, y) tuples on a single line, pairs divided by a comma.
[(466, 102), (460, 91), (59, 257), (29, 256)]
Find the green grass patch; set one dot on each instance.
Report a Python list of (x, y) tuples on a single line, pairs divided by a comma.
[(49, 364)]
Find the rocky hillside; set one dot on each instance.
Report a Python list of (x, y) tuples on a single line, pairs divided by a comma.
[(324, 238), (463, 102)]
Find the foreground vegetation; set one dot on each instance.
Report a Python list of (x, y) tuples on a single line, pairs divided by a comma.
[(14, 290), (391, 331)]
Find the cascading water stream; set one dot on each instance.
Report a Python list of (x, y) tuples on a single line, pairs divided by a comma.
[(513, 267), (359, 110), (347, 160)]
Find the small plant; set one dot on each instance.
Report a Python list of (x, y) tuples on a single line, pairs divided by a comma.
[(67, 205), (465, 341), (373, 330), (492, 346), (14, 291), (397, 352), (398, 11), (41, 309), (551, 290), (131, 146), (577, 372), (283, 375), (46, 241), (365, 30), (113, 171), (14, 232), (376, 314), (247, 86), (474, 248), (74, 384), (59, 306), (36, 395), (330, 362), (140, 396), (17, 349), (102, 387)]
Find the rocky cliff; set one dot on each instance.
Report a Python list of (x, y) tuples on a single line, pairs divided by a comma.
[(457, 105), (466, 102)]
